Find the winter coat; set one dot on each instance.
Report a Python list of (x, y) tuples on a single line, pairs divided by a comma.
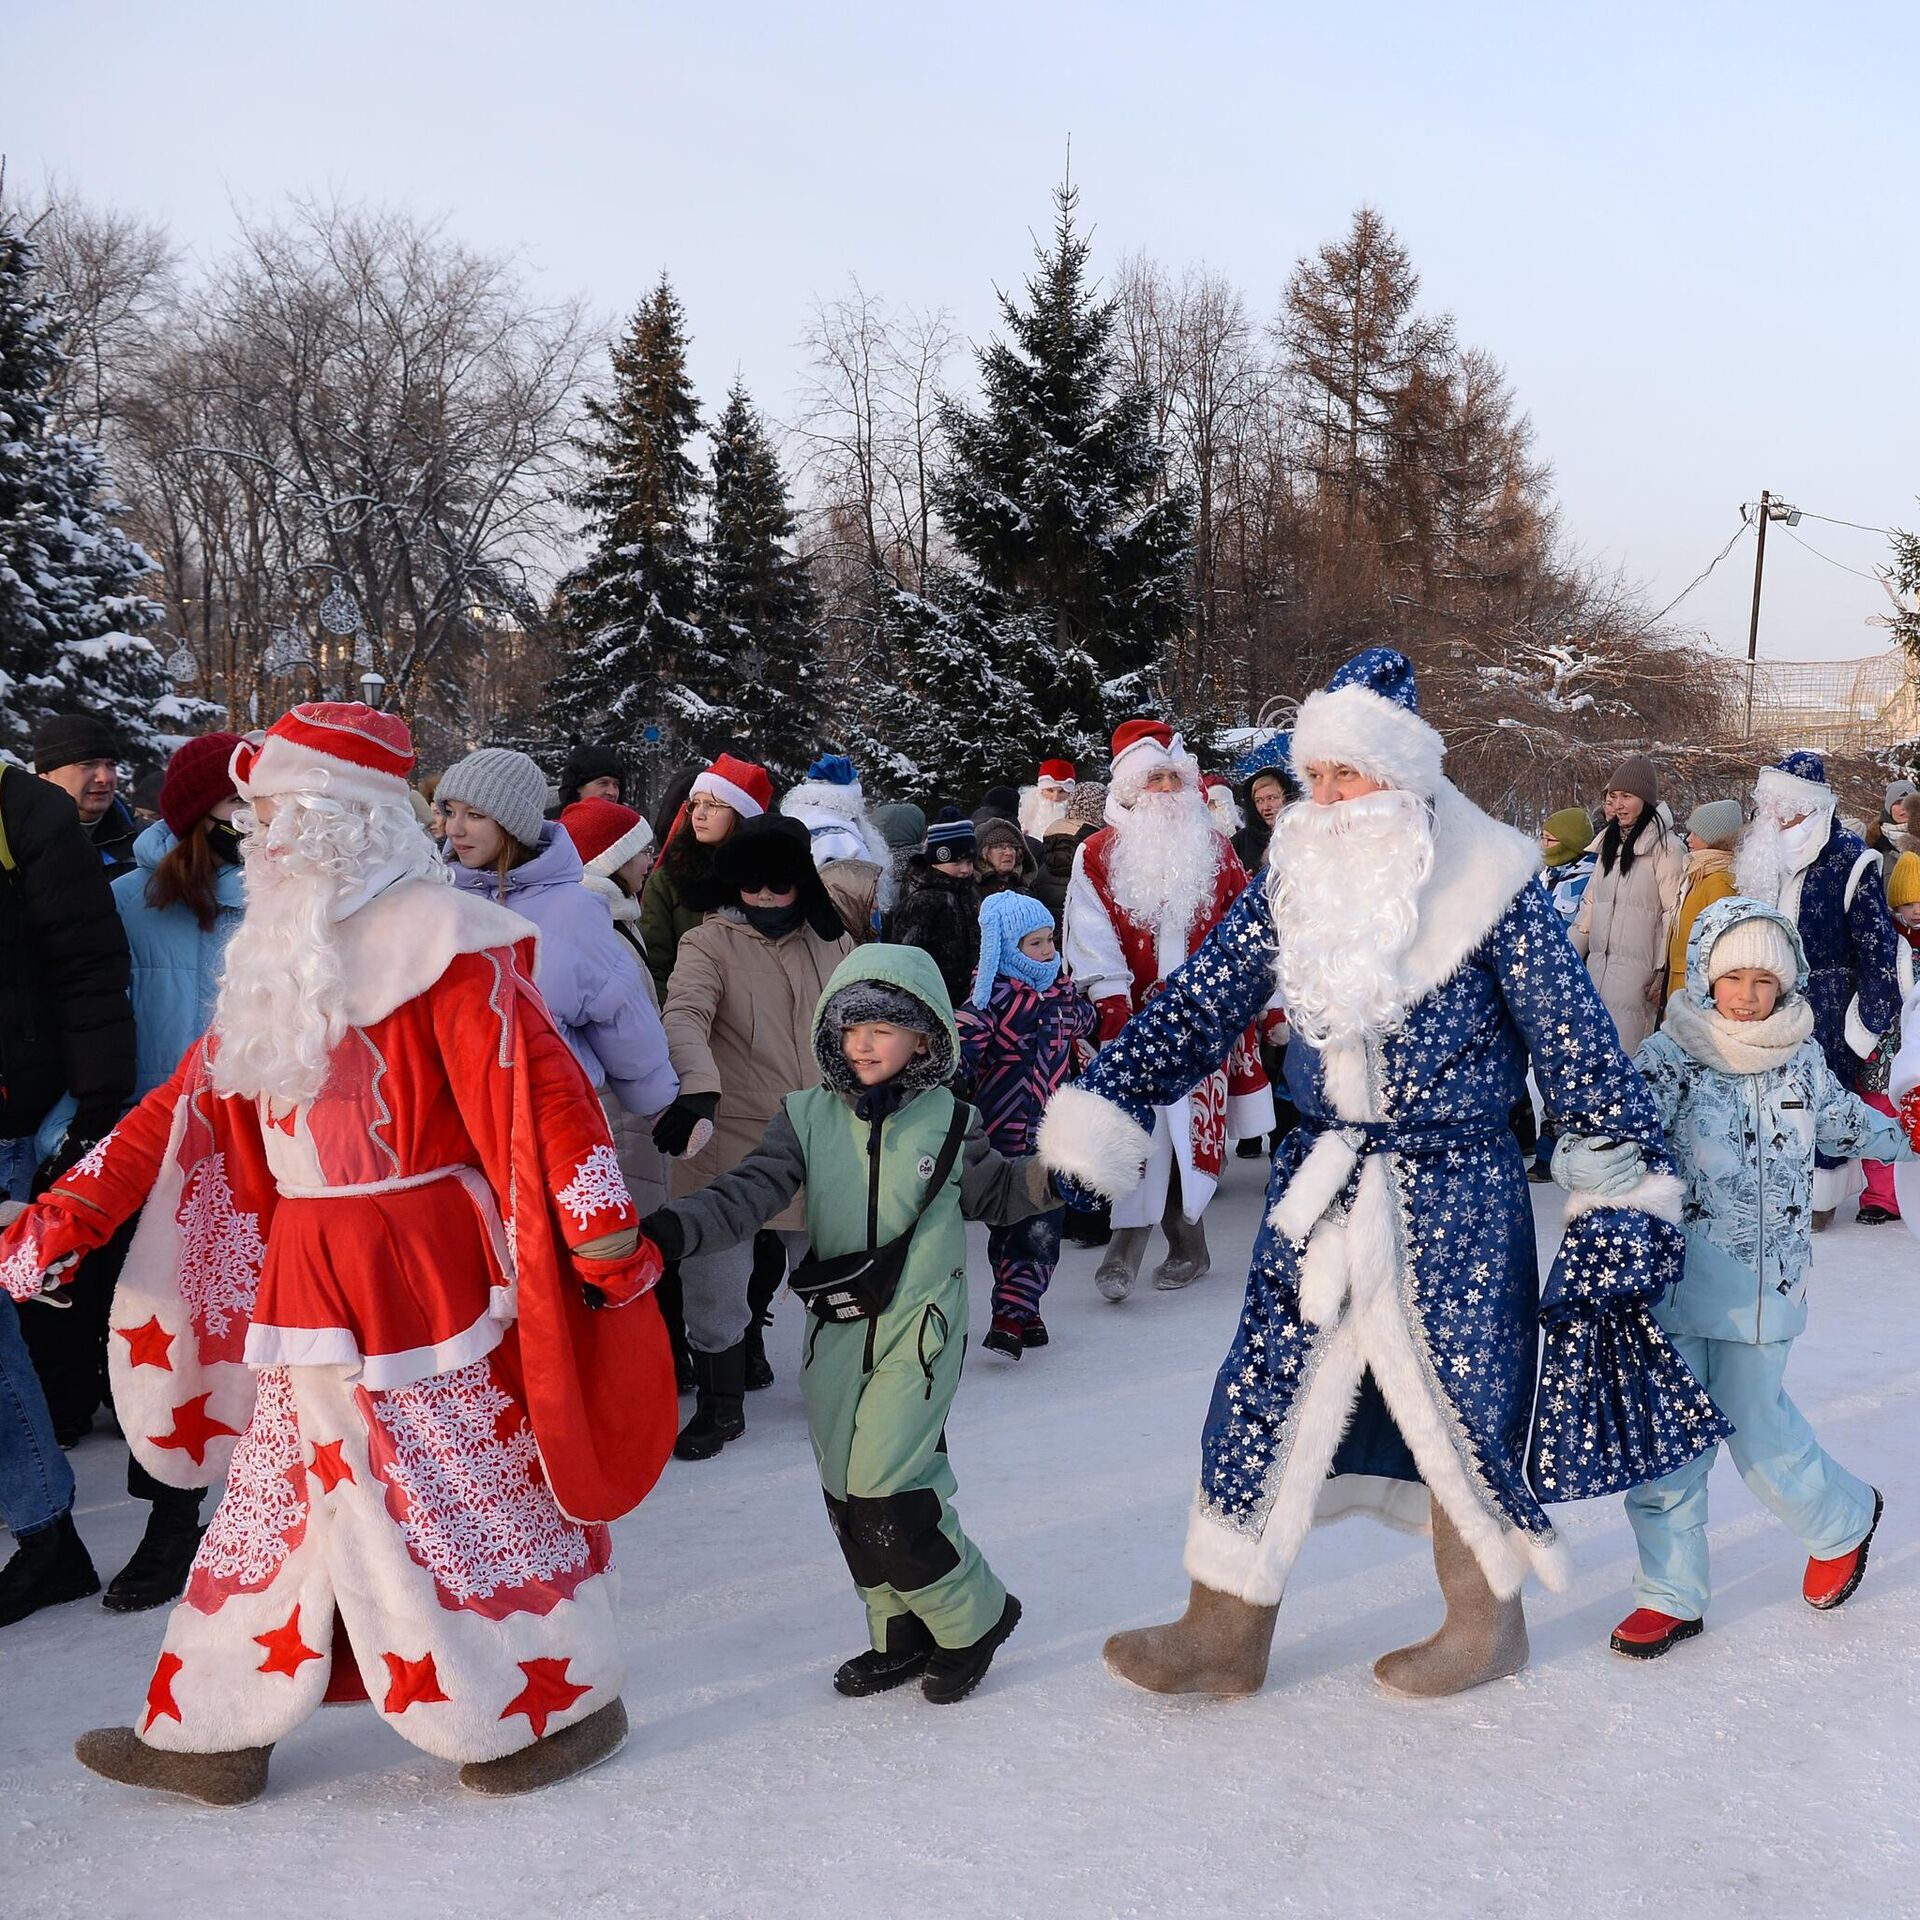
[(739, 1019), (1056, 869), (1021, 879), (642, 1164), (1621, 929), (941, 915), (665, 920), (1709, 878), (855, 887), (1567, 886), (1744, 1144), (176, 962), (585, 972), (113, 836), (65, 1022), (1017, 1050)]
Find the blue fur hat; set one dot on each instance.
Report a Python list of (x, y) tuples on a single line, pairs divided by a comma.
[(1795, 784), (1270, 756), (1367, 717), (1005, 920), (834, 770)]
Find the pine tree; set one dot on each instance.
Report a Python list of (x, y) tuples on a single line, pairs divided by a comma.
[(1056, 502), (761, 615), (71, 613), (632, 608)]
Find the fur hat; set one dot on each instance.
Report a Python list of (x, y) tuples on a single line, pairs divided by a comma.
[(1055, 773), (1569, 832), (1757, 941), (605, 834), (1796, 784), (340, 748), (590, 761), (1367, 717), (1636, 775), (198, 778), (1143, 747), (773, 852), (1903, 883), (505, 785), (1717, 822)]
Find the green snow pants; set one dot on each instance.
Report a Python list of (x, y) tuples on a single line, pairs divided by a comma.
[(877, 1418)]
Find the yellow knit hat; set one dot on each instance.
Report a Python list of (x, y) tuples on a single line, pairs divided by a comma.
[(1903, 883)]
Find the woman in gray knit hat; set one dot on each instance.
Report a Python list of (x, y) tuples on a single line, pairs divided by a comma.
[(500, 844)]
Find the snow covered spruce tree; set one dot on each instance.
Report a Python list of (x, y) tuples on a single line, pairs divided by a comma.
[(761, 616), (1072, 555), (71, 612), (632, 608)]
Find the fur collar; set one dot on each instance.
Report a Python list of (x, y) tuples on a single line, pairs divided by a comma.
[(1479, 868), (620, 903), (405, 938)]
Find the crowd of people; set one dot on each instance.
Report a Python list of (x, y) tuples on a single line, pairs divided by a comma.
[(362, 1115)]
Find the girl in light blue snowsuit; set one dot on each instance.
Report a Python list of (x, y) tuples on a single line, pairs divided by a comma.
[(1746, 1098)]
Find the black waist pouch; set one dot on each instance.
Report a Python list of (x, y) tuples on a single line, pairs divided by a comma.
[(860, 1286)]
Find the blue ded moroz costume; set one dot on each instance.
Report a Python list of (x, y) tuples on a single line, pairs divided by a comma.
[(1385, 1360)]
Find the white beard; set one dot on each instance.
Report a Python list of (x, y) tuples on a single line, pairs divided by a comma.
[(1166, 854), (1344, 883), (1770, 855), (281, 1010), (1038, 813)]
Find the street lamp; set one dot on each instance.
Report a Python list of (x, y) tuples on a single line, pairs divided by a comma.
[(373, 684)]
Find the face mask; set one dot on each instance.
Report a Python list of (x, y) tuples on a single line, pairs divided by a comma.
[(223, 838), (774, 922)]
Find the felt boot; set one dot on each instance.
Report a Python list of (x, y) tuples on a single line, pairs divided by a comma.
[(1187, 1258), (559, 1756), (227, 1779), (1220, 1645), (1120, 1265), (1482, 1637)]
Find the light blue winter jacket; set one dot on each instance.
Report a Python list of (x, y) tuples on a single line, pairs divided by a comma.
[(176, 964), (586, 973), (1744, 1144)]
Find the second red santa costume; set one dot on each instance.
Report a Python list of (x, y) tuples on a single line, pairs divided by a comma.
[(372, 1194), (1146, 890)]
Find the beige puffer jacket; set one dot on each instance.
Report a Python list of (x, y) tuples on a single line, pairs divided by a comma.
[(739, 1020), (1622, 928)]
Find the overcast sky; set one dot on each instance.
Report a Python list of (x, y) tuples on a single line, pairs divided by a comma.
[(1687, 229)]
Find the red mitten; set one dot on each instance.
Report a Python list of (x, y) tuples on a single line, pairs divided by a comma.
[(1114, 1011), (620, 1280)]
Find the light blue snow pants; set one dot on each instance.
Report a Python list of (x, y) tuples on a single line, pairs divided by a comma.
[(1780, 1460)]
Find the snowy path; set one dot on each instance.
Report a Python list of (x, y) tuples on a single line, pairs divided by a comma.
[(1770, 1768)]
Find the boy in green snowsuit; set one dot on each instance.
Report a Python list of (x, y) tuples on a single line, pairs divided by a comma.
[(866, 1145)]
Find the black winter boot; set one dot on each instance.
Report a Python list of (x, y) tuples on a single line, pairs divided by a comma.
[(157, 1573), (953, 1672), (769, 1272), (48, 1568), (903, 1658), (719, 1409)]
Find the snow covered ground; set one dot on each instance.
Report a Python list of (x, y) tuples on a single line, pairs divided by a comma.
[(1769, 1768)]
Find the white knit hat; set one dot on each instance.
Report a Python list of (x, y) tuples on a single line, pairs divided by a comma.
[(1758, 941)]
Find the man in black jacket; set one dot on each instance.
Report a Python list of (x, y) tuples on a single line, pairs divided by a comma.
[(80, 754), (66, 1027)]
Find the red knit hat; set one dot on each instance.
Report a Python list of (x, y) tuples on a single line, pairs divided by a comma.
[(1056, 773), (197, 780), (339, 748), (605, 834), (739, 784)]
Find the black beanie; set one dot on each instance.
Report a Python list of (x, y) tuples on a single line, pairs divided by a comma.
[(63, 738)]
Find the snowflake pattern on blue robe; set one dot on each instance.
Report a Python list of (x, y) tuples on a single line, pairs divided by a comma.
[(1616, 1405)]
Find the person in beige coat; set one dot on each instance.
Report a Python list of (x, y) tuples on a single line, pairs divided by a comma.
[(1628, 909), (739, 1020)]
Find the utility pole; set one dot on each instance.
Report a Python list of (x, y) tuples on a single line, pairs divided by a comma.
[(1753, 626)]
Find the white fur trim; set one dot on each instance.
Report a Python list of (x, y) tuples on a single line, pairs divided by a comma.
[(845, 802), (1906, 1063), (1859, 1036), (283, 766), (269, 1346), (1404, 1505), (1250, 1116), (1479, 867), (404, 939), (1316, 1184), (1130, 772), (1092, 1141), (609, 860), (1356, 728), (1783, 793), (621, 904), (1659, 1194), (1323, 1274), (715, 787)]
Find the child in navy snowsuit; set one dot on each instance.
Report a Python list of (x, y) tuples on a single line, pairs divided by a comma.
[(1017, 1042)]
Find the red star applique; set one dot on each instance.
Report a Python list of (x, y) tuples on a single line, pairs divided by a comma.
[(284, 1121), (548, 1691), (329, 1467), (286, 1651), (148, 1346), (193, 1427), (160, 1698), (411, 1683)]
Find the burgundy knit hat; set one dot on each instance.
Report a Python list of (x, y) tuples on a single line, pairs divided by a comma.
[(197, 780)]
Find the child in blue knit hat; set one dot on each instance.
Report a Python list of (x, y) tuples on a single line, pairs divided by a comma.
[(1017, 1042)]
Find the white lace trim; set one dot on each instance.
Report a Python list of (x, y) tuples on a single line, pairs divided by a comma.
[(263, 1513), (221, 1251), (597, 1187)]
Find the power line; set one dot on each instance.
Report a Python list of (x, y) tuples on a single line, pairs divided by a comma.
[(1886, 533), (1700, 576), (1857, 573)]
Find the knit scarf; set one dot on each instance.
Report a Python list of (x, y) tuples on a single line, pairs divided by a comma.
[(1739, 1046)]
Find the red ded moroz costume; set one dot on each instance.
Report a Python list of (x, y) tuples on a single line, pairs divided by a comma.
[(366, 1312)]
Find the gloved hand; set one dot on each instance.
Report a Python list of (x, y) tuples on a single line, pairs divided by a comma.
[(1114, 1011), (673, 1132), (663, 1228), (609, 1249), (1587, 1165)]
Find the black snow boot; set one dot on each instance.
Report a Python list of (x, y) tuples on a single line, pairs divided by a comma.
[(769, 1271), (903, 1658), (719, 1409), (48, 1568), (953, 1672), (157, 1573)]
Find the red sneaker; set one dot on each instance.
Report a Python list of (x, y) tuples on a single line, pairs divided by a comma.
[(1830, 1583), (1646, 1635)]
